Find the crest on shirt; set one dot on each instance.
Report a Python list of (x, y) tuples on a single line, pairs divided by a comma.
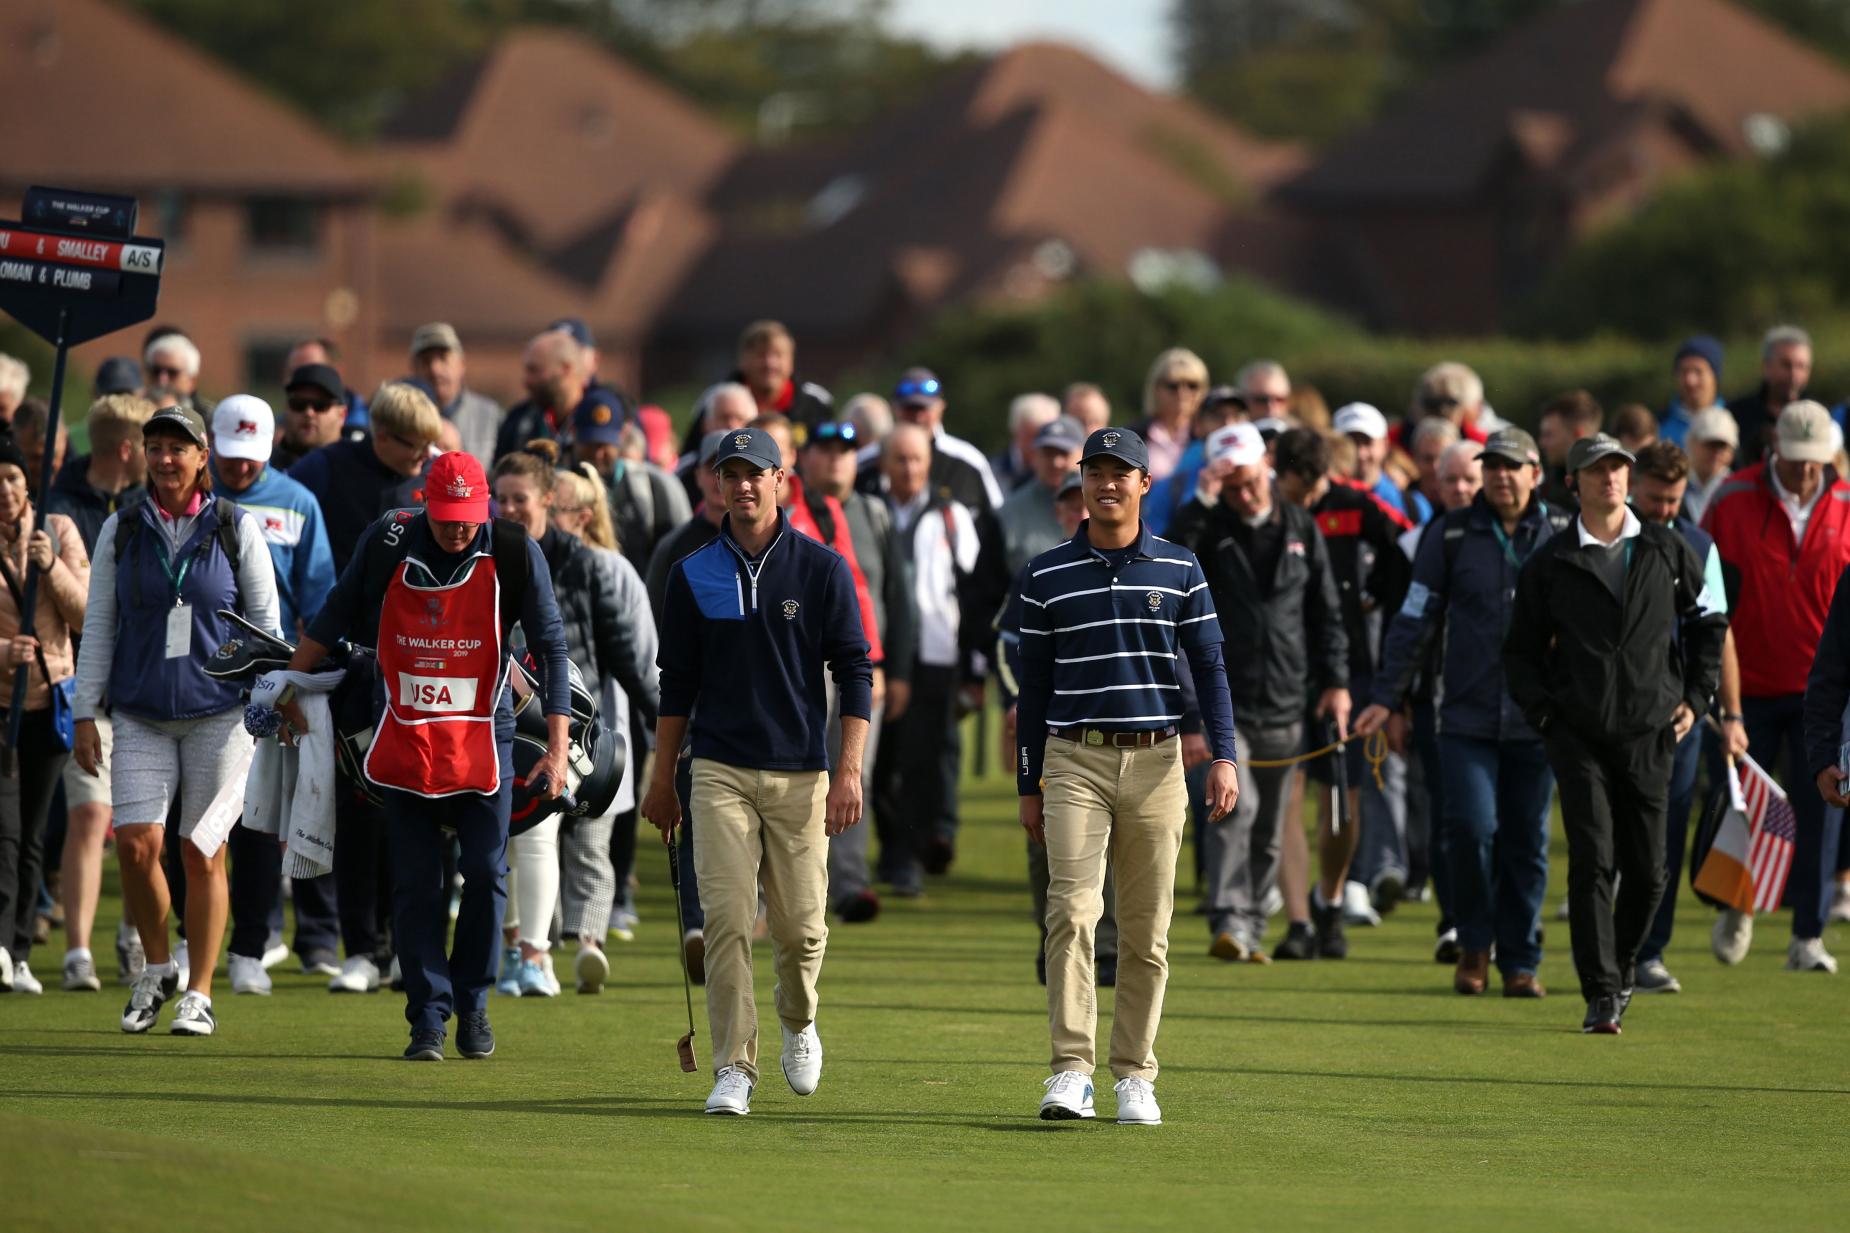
[(1154, 599), (433, 613), (790, 609)]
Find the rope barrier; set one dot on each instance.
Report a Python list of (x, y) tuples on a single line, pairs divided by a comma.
[(1374, 748)]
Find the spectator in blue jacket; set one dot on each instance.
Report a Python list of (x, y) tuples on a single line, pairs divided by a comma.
[(1497, 785), (1698, 371)]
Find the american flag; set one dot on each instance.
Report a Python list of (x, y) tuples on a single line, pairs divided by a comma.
[(1772, 830)]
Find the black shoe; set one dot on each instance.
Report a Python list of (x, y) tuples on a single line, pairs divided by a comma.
[(859, 909), (1040, 966), (1327, 919), (1445, 950), (474, 1038), (937, 856), (1625, 1000), (1299, 943), (426, 1046), (1107, 968), (1603, 1014)]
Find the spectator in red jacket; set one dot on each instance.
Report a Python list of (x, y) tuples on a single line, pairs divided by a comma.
[(1784, 527)]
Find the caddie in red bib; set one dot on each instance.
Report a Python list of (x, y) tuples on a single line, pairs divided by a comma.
[(435, 592)]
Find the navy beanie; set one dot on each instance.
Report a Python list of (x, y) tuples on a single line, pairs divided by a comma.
[(1704, 346)]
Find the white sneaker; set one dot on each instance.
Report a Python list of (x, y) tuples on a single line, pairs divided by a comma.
[(248, 975), (182, 961), (24, 981), (1732, 935), (1137, 1103), (80, 973), (274, 953), (151, 989), (1068, 1098), (802, 1059), (732, 1093), (193, 1016), (592, 967), (1357, 910), (1840, 904), (552, 977), (1803, 955), (358, 975), (6, 971)]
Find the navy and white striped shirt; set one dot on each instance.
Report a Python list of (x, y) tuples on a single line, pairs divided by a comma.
[(1106, 637)]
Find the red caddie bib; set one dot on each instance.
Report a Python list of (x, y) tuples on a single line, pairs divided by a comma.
[(440, 663)]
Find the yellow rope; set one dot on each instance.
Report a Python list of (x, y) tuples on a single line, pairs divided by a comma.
[(1374, 748)]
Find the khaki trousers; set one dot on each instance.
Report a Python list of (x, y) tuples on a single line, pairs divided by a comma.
[(1130, 804), (760, 826)]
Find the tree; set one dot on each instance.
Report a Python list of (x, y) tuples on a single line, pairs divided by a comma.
[(1727, 250)]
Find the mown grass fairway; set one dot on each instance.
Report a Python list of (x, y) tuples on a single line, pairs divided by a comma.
[(1361, 1095)]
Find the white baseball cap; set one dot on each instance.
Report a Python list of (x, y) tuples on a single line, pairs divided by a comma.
[(1239, 444), (243, 426), (1363, 419), (1804, 429)]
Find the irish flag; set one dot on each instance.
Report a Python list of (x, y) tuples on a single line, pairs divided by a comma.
[(1752, 854)]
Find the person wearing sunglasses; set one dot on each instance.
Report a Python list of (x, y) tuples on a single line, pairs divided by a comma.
[(958, 468), (314, 415), (171, 361), (1172, 393)]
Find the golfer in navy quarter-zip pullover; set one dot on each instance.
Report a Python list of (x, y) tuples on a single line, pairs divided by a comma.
[(749, 624), (1104, 619)]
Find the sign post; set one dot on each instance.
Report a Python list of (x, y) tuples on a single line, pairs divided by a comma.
[(71, 271)]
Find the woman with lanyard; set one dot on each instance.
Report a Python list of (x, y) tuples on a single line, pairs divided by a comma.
[(600, 638), (1497, 785), (161, 572), (57, 552), (598, 854)]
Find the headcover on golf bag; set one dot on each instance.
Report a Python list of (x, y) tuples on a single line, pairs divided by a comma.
[(594, 759)]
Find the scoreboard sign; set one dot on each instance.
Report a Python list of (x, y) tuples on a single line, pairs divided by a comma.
[(74, 269)]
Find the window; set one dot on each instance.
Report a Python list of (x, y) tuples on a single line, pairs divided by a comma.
[(172, 213), (282, 226), (264, 359)]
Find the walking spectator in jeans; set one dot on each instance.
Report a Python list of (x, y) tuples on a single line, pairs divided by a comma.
[(1495, 781), (57, 552), (1784, 526)]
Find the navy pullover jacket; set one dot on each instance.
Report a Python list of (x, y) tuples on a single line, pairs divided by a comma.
[(749, 636)]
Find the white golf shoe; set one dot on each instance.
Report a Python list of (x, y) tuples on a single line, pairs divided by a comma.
[(1733, 934), (1809, 955), (248, 976), (732, 1093), (1137, 1103), (802, 1059), (1068, 1098), (358, 975)]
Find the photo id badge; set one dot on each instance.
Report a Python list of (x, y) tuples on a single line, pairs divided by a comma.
[(180, 631)]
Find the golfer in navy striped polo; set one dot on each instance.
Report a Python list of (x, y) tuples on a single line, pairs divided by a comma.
[(1106, 617)]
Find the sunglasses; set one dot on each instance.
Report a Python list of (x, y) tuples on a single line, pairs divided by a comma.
[(928, 388), (1176, 386), (306, 406), (165, 370), (832, 431)]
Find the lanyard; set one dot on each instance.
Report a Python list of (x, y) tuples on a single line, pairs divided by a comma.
[(1503, 539), (175, 579)]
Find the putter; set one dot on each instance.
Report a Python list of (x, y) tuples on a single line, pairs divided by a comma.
[(684, 1046), (1339, 774)]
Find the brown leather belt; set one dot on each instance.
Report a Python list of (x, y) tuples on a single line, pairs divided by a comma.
[(1117, 740)]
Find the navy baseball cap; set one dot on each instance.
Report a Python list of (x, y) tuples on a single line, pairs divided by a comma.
[(1120, 443), (1062, 433), (709, 446), (1073, 482), (595, 423), (918, 387), (754, 445), (576, 327), (117, 375)]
